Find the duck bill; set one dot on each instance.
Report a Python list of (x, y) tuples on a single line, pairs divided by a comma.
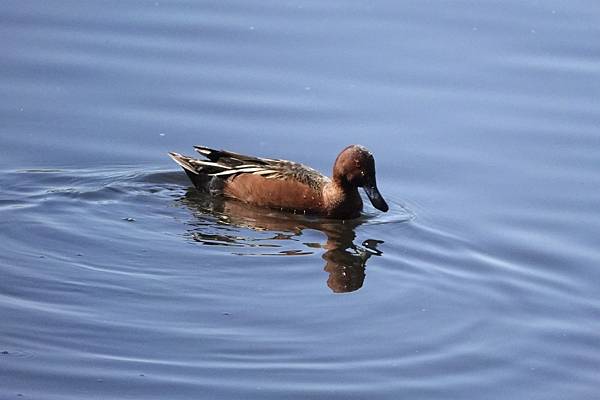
[(376, 198)]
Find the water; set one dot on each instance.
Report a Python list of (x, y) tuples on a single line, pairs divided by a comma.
[(120, 281)]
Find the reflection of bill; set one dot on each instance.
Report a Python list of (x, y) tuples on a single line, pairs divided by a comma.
[(345, 261)]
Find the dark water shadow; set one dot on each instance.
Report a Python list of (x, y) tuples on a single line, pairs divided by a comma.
[(256, 231)]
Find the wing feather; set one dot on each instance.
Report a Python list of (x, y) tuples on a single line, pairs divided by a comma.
[(226, 164)]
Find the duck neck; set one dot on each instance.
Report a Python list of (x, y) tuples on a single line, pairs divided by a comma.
[(341, 199)]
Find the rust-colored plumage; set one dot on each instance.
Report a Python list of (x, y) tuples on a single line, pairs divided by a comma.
[(285, 184)]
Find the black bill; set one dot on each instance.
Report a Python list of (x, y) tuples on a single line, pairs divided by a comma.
[(376, 198)]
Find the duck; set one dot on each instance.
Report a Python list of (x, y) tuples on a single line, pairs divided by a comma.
[(287, 185)]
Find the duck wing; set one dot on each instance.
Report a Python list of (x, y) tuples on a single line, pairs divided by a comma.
[(227, 164)]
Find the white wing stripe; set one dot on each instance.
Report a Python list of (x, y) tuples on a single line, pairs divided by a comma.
[(209, 164)]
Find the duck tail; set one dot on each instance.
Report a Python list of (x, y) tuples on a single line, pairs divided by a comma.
[(197, 173), (183, 161), (199, 167)]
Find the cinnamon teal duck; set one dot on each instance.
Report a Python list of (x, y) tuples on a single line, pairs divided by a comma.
[(287, 185)]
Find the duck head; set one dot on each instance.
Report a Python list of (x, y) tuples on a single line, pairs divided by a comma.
[(355, 167)]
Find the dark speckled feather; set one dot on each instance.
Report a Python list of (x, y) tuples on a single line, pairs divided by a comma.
[(226, 163)]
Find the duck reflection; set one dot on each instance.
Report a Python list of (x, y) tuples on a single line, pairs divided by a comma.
[(218, 222)]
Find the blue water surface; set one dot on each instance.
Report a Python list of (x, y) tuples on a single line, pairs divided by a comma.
[(119, 281)]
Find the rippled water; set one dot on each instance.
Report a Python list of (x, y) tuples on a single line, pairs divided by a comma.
[(118, 280)]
